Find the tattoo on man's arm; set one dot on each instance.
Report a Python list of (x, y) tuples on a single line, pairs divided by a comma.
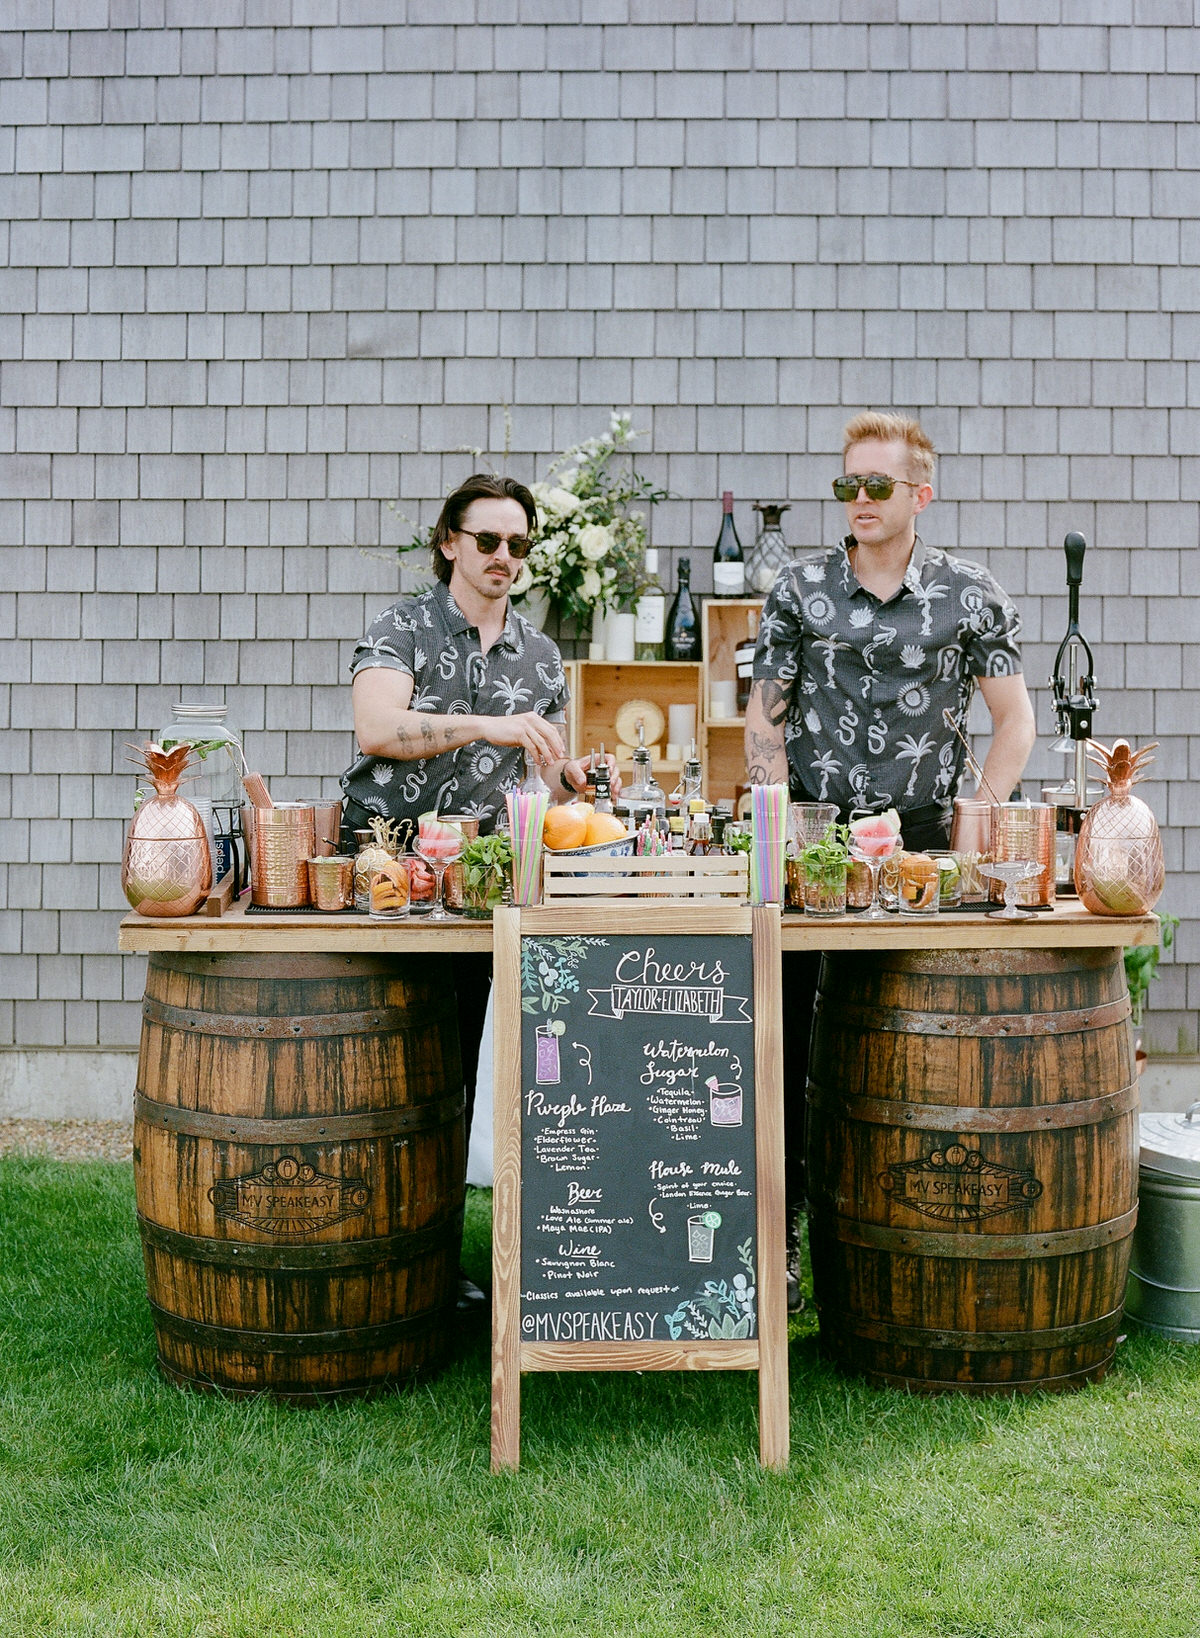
[(774, 702)]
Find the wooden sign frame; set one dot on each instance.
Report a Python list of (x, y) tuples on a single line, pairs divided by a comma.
[(766, 1353)]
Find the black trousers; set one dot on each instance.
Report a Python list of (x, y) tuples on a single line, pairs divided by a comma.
[(472, 971), (801, 973)]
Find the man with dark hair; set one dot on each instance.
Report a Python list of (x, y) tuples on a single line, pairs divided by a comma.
[(454, 691), (861, 649), (453, 688)]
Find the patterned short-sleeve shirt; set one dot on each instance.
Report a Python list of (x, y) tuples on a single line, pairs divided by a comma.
[(868, 681), (428, 636)]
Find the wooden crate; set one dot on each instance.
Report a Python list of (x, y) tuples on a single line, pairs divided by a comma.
[(673, 876)]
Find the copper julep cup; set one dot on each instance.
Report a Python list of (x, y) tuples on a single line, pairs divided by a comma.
[(327, 826), (1025, 830), (280, 843), (331, 880)]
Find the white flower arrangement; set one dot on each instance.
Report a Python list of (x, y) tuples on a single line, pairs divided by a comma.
[(588, 556)]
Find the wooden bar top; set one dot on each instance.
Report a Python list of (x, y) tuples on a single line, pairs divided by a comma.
[(1067, 926)]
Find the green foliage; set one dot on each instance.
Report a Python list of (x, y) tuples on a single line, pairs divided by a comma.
[(129, 1509), (825, 860), (1141, 964), (486, 859)]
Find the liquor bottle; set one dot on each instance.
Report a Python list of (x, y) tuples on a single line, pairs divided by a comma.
[(743, 661), (729, 566), (682, 639), (602, 801), (650, 614)]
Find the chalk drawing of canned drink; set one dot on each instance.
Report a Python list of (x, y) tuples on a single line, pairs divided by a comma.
[(700, 1236), (724, 1102), (547, 1069)]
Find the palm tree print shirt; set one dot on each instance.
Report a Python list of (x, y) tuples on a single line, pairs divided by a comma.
[(868, 681), (428, 636)]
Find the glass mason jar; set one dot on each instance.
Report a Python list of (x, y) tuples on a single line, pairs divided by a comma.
[(214, 776)]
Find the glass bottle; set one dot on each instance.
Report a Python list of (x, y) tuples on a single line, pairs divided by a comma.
[(729, 566), (743, 661), (650, 614), (770, 551), (682, 641)]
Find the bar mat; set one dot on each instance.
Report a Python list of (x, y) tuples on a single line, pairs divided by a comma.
[(298, 910)]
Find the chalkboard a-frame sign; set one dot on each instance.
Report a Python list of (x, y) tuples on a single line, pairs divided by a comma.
[(638, 1212)]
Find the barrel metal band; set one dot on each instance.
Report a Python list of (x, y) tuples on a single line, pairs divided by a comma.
[(977, 1342), (199, 1123), (997, 1389), (901, 1021), (398, 1250), (250, 1026), (299, 1343), (941, 1117), (985, 1247)]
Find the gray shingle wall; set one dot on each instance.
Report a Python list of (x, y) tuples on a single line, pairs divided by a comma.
[(260, 279)]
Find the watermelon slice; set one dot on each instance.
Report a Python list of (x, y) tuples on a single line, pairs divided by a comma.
[(438, 839), (876, 835)]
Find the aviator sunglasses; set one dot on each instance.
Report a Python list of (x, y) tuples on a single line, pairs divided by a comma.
[(878, 485), (487, 542)]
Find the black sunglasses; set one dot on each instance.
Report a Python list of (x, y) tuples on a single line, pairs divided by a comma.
[(488, 543), (878, 485)]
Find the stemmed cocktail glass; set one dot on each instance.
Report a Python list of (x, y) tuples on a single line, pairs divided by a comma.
[(872, 851), (1012, 872), (439, 845)]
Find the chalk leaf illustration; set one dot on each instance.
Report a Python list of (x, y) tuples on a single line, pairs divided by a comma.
[(548, 967)]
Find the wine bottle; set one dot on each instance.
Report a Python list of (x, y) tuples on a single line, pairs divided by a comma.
[(743, 661), (682, 640), (729, 566), (650, 614)]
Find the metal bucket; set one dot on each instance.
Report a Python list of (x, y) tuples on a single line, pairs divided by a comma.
[(279, 841), (1164, 1267)]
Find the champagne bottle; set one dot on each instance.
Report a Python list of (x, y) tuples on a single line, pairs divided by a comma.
[(682, 639), (650, 614), (729, 566)]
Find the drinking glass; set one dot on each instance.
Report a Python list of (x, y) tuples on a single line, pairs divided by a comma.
[(1012, 872), (871, 851), (438, 850)]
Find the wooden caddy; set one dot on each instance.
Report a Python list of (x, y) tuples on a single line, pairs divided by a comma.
[(766, 1353)]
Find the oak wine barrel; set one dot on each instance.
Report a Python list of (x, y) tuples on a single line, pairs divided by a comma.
[(972, 1165), (299, 1163)]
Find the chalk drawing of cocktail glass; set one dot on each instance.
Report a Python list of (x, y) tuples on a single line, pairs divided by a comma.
[(700, 1236), (724, 1102), (547, 1068)]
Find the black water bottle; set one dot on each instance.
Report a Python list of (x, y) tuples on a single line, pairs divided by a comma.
[(729, 566), (682, 638)]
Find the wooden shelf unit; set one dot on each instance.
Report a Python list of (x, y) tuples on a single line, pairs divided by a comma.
[(724, 622), (600, 687)]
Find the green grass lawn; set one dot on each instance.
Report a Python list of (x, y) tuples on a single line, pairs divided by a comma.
[(129, 1507)]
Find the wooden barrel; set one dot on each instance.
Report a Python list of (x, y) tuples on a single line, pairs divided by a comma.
[(972, 1165), (298, 1152)]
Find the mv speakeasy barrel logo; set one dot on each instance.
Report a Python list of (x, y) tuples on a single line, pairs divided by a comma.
[(289, 1198), (957, 1185)]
